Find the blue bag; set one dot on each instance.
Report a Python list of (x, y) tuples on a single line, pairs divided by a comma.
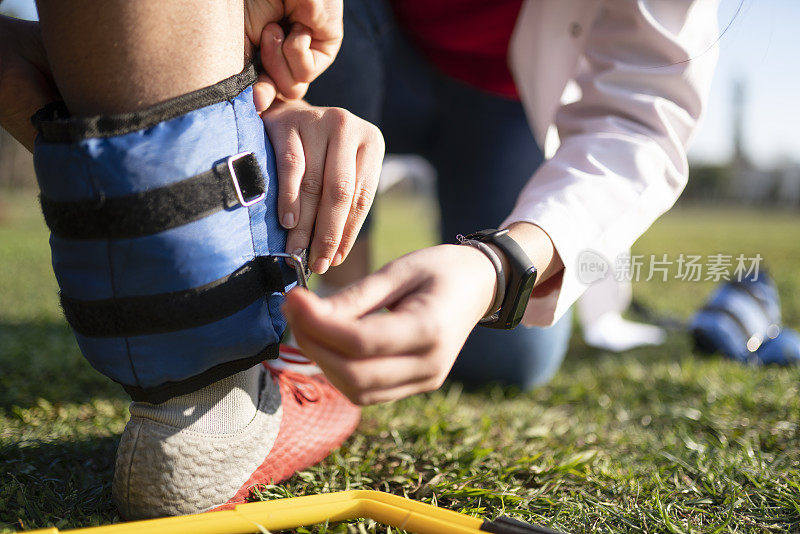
[(742, 320), (164, 237)]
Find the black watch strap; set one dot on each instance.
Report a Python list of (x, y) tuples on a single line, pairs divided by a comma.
[(521, 278)]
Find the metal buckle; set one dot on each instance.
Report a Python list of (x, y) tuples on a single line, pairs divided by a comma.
[(295, 262), (235, 181)]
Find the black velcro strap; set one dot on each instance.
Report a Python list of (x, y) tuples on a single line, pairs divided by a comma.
[(708, 308), (150, 212), (56, 126), (168, 390), (179, 310)]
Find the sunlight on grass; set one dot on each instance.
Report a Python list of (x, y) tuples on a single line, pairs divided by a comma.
[(653, 440)]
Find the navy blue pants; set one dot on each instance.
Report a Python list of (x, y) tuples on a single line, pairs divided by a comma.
[(483, 152)]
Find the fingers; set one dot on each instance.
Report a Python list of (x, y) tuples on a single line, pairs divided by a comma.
[(339, 182), (343, 155), (376, 356), (296, 59), (297, 51), (379, 334), (276, 65), (328, 169), (314, 147), (378, 379), (379, 290), (27, 83), (324, 22), (323, 16), (368, 170), (264, 93), (257, 13), (290, 165), (406, 329)]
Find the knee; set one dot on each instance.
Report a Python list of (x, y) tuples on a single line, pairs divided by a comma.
[(524, 357)]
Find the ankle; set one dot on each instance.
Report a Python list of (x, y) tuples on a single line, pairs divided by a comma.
[(224, 407)]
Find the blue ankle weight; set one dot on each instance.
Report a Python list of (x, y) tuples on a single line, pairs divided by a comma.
[(165, 269), (742, 320)]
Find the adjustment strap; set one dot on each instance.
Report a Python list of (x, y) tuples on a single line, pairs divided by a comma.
[(754, 339), (168, 390), (178, 310), (500, 291), (234, 181)]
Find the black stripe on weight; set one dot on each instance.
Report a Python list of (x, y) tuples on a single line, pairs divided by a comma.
[(168, 390), (179, 310), (744, 287), (732, 316), (56, 126), (150, 212)]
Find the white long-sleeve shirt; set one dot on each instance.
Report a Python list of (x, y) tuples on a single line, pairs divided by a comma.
[(643, 69)]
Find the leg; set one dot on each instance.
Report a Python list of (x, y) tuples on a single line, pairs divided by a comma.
[(524, 357), (600, 311), (208, 420), (127, 56), (152, 138), (484, 155)]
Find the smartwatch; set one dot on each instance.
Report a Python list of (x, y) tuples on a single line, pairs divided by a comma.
[(521, 277)]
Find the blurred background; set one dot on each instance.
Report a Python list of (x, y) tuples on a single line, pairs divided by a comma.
[(646, 426), (747, 150), (742, 196)]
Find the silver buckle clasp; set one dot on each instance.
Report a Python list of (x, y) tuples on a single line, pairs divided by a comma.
[(295, 262), (235, 180)]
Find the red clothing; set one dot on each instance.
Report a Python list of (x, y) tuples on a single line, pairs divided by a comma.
[(466, 39)]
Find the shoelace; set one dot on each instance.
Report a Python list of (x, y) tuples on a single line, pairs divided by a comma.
[(305, 388), (293, 355)]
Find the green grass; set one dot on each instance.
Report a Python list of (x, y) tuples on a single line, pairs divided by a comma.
[(654, 440)]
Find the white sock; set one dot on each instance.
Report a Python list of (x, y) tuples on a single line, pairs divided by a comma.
[(612, 332), (296, 361), (224, 407), (195, 451)]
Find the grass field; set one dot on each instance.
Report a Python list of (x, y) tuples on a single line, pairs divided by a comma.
[(654, 440)]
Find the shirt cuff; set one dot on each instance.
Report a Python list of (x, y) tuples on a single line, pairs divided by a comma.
[(553, 298)]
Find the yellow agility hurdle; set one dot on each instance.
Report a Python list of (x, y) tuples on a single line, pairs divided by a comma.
[(295, 512)]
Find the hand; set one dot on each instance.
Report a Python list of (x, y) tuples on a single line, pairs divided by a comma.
[(292, 61), (329, 162), (26, 84), (434, 297)]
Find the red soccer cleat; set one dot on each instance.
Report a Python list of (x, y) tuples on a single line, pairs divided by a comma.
[(317, 419), (190, 455)]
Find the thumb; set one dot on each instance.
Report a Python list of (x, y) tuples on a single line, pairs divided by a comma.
[(382, 289), (264, 93), (304, 303), (259, 13), (377, 291)]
